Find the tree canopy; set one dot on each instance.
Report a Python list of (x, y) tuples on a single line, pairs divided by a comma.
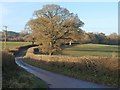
[(51, 24)]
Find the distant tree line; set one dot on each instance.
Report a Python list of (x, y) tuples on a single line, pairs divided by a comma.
[(16, 36), (82, 37), (100, 38)]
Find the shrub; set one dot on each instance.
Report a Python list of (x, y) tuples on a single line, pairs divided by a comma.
[(97, 66)]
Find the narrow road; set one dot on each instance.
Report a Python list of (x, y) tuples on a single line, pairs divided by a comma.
[(55, 80)]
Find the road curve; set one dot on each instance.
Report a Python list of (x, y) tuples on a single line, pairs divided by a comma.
[(55, 80)]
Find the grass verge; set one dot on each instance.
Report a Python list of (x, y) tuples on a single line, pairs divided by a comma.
[(15, 77), (73, 72), (99, 69)]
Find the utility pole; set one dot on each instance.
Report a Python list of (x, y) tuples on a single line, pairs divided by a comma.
[(5, 34)]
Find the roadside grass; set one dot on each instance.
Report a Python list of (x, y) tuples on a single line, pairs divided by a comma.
[(89, 50), (77, 71), (15, 77), (99, 69)]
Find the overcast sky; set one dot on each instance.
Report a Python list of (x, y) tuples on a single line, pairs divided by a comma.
[(97, 16)]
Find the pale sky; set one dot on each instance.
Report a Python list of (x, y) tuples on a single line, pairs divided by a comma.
[(97, 16)]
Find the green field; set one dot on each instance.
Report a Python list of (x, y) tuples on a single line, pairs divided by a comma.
[(14, 44), (76, 50), (90, 50)]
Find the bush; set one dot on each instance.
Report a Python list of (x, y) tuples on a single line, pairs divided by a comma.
[(15, 77), (98, 67)]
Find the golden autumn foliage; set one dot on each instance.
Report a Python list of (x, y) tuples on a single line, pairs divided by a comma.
[(52, 23)]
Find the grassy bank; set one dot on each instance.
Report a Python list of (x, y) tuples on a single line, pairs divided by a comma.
[(15, 77), (78, 70), (99, 69)]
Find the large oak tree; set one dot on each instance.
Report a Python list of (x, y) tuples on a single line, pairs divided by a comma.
[(51, 24)]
